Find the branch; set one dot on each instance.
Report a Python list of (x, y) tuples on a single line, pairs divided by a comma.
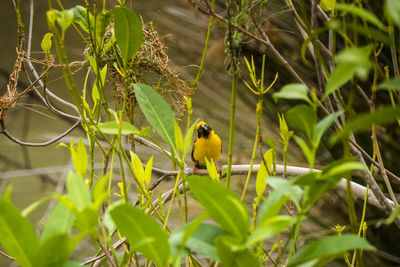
[(12, 138), (35, 74), (359, 191), (265, 40), (6, 256)]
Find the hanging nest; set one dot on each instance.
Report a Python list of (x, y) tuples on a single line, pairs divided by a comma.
[(9, 99), (151, 66)]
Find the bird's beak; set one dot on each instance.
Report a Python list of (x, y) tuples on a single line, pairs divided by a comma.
[(204, 130), (204, 127)]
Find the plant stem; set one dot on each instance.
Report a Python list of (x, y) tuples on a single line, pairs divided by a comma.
[(253, 155), (349, 191), (296, 234), (231, 129), (172, 197), (233, 52), (258, 138), (203, 58)]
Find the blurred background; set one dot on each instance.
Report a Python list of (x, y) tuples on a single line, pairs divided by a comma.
[(35, 172)]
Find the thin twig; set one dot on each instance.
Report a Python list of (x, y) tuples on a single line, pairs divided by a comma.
[(106, 251), (359, 191), (265, 40), (394, 178), (292, 171), (385, 204), (6, 256), (12, 138), (381, 165), (35, 74)]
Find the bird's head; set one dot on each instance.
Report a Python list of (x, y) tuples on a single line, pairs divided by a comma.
[(203, 130)]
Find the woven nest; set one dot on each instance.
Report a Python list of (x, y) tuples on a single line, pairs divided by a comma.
[(151, 66), (9, 99)]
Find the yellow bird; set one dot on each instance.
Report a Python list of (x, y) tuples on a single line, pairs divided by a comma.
[(207, 145)]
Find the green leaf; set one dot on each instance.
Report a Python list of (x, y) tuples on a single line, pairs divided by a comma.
[(18, 237), (283, 126), (355, 55), (142, 232), (157, 112), (26, 211), (201, 241), (102, 21), (54, 251), (315, 188), (295, 91), (323, 125), (184, 232), (223, 205), (381, 116), (339, 77), (303, 118), (328, 248), (263, 173), (392, 84), (393, 215), (328, 5), (147, 172), (283, 191), (137, 167), (178, 137), (187, 142), (100, 191), (270, 227), (212, 170), (308, 152), (60, 221), (86, 219), (362, 13), (79, 157), (307, 179), (92, 62), (319, 183), (111, 127), (128, 32), (351, 61), (341, 167), (271, 142), (370, 32), (51, 17), (80, 17), (64, 19), (46, 42), (234, 258), (107, 220), (78, 193), (392, 11), (7, 193), (110, 43), (95, 90)]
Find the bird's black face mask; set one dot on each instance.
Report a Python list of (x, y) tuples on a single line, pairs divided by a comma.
[(203, 131)]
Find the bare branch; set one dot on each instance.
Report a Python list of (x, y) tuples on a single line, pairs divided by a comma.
[(35, 74), (12, 138)]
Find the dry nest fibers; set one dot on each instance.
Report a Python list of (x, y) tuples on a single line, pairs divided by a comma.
[(150, 65)]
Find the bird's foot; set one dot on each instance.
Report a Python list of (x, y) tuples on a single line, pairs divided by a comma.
[(195, 169)]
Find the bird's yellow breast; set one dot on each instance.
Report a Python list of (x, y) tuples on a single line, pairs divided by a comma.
[(209, 148)]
